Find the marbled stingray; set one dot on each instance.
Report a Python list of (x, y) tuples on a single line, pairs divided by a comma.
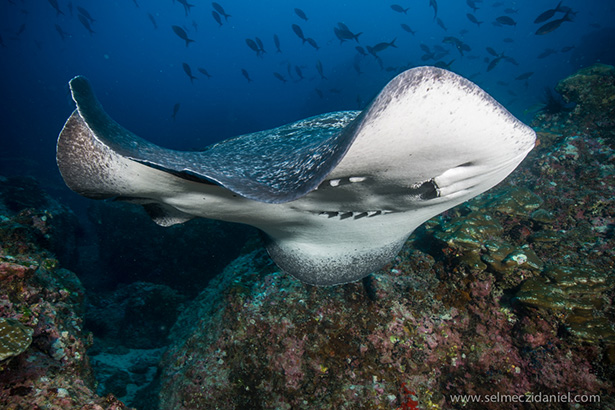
[(337, 194)]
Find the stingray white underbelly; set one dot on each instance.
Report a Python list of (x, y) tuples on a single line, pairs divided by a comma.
[(337, 194)]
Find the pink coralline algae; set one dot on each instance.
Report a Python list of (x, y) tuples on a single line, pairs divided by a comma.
[(454, 314)]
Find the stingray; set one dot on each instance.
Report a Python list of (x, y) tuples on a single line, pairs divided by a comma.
[(336, 195)]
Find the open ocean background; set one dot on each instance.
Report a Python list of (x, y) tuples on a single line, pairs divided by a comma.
[(136, 67)]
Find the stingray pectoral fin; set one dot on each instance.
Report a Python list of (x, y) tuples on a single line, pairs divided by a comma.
[(89, 167), (274, 166), (94, 170)]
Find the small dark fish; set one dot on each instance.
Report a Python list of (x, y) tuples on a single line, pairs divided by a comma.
[(195, 26), (320, 70), (299, 73), (188, 72), (279, 77), (152, 19), (204, 72), (182, 34), (548, 14), (383, 46), (63, 34), (220, 10), (312, 42), (507, 21), (276, 41), (301, 14), (246, 75), (70, 7), (508, 40), (260, 45), (175, 109), (252, 44), (22, 28), (361, 50), (552, 25), (407, 28), (86, 24), (299, 32), (443, 64), (343, 33), (186, 6), (546, 53), (370, 50), (85, 14), (510, 60), (135, 2), (399, 9), (432, 3), (473, 19), (510, 11), (492, 52), (217, 17), (342, 26), (472, 4), (493, 63), (441, 24), (54, 4), (566, 49), (524, 76), (335, 90), (338, 34), (459, 45)]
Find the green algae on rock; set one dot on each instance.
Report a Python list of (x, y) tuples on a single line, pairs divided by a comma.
[(579, 293), (515, 201), (593, 89), (15, 338), (477, 236)]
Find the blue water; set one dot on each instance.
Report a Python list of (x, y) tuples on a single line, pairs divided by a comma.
[(137, 72)]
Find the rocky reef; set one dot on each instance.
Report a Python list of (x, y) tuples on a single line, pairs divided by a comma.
[(592, 89), (43, 359), (508, 294)]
